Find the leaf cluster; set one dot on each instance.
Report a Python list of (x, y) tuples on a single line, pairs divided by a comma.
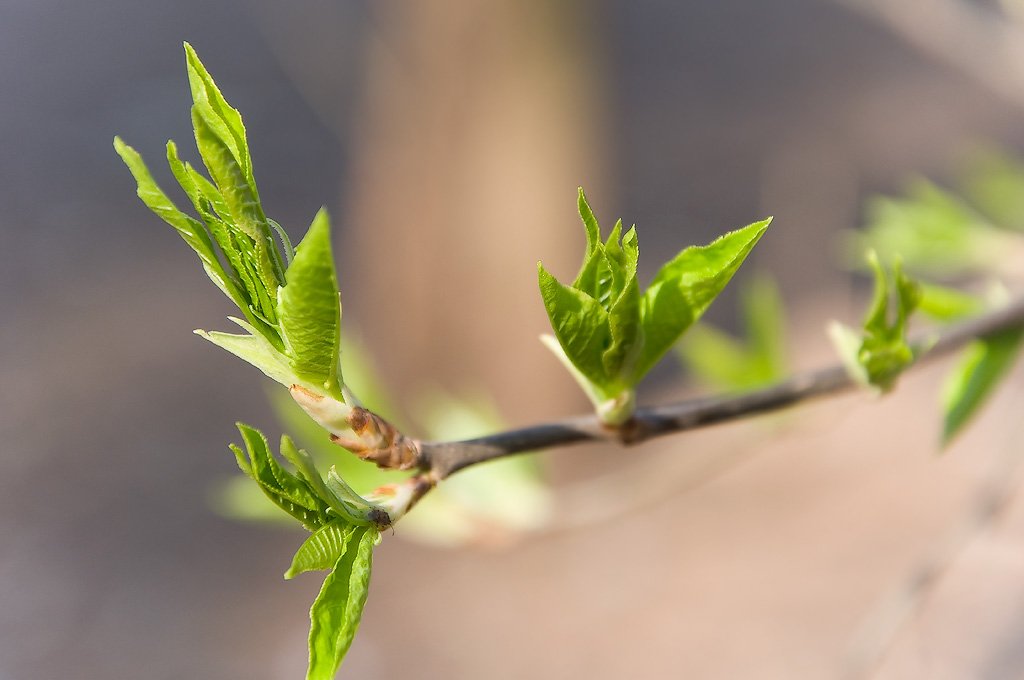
[(289, 299), (345, 528), (609, 333)]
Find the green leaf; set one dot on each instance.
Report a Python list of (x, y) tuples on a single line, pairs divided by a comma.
[(322, 549), (205, 91), (255, 349), (685, 286), (337, 610), (983, 365), (309, 308), (580, 324)]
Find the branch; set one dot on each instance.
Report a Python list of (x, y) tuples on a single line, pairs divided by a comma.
[(442, 459)]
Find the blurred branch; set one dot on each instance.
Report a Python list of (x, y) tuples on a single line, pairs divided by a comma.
[(441, 459), (980, 43)]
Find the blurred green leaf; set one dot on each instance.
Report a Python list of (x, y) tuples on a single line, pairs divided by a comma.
[(993, 181), (310, 309), (934, 231), (947, 304), (726, 363), (981, 368), (883, 352), (338, 608)]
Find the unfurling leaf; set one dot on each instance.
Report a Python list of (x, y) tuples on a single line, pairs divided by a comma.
[(984, 364), (883, 352), (338, 608)]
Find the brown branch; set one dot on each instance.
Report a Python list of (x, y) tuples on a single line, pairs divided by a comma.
[(442, 459)]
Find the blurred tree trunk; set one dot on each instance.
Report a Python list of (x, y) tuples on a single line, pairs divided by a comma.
[(479, 120)]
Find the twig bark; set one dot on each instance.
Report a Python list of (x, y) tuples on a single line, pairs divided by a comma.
[(441, 459)]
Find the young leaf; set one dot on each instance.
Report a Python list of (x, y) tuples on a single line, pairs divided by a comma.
[(685, 286), (884, 352), (337, 610), (322, 549), (975, 377), (287, 491), (309, 308)]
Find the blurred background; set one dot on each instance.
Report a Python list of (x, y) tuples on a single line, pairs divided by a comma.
[(447, 140)]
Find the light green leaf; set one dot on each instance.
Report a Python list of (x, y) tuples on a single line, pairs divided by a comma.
[(580, 325), (322, 549), (256, 350), (338, 608), (983, 365), (685, 286), (310, 309)]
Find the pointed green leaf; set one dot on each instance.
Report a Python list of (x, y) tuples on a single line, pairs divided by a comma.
[(580, 325), (589, 223), (684, 288), (337, 610), (322, 549), (975, 377), (310, 309)]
